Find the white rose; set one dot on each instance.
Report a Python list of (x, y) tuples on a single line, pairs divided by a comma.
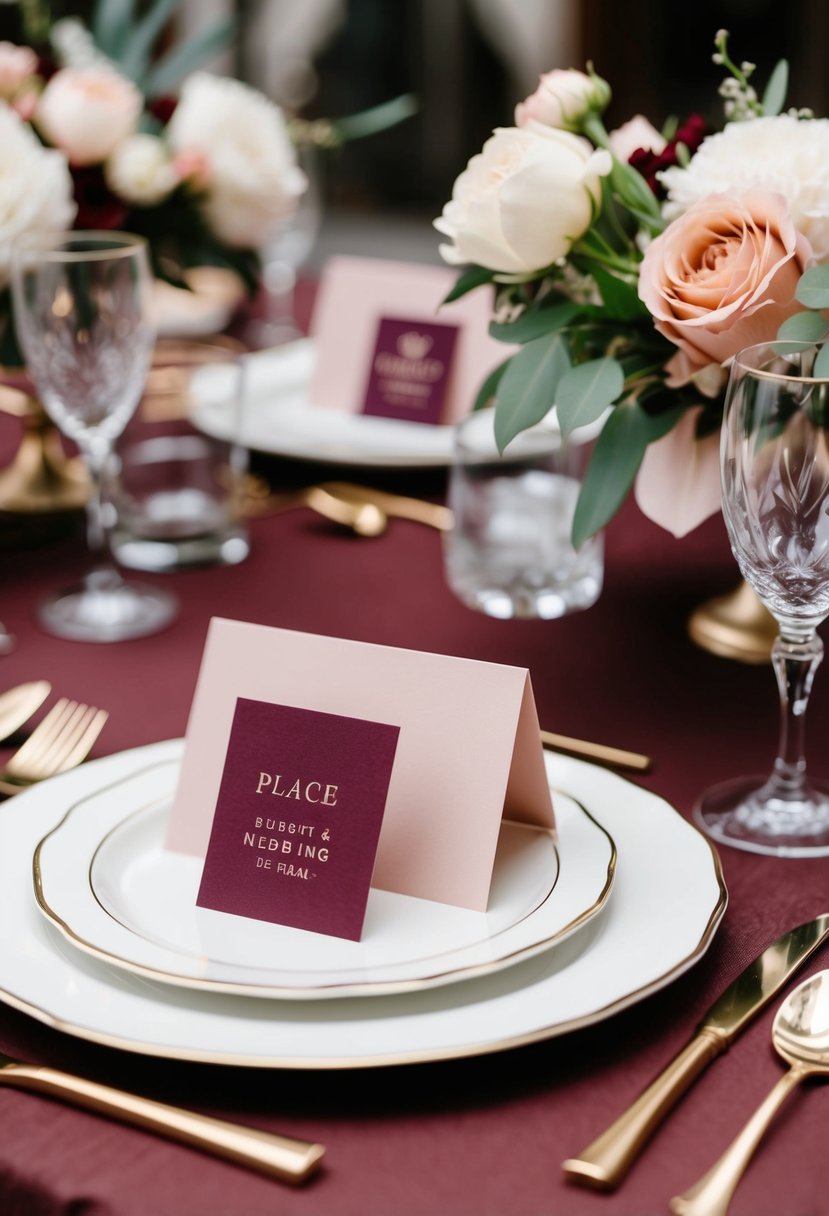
[(522, 202), (88, 112), (252, 180), (782, 155), (141, 171), (35, 186), (562, 99)]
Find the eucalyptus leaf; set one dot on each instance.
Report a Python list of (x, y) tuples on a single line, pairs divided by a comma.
[(813, 288), (468, 280), (490, 385), (774, 95), (184, 59), (378, 118), (135, 57), (112, 22), (527, 390), (585, 392), (806, 327), (535, 323), (614, 464), (821, 368)]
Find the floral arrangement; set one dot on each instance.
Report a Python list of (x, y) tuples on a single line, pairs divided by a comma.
[(630, 267), (97, 132)]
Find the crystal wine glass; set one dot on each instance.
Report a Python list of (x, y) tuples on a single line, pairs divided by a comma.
[(81, 310), (775, 484)]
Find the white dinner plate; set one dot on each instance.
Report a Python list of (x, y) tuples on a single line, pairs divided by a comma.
[(278, 419), (104, 878), (667, 900)]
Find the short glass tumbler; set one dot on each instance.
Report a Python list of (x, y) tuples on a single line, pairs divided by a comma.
[(509, 553), (775, 483)]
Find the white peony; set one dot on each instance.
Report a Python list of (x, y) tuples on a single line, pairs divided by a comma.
[(35, 186), (140, 171), (783, 155), (523, 201), (252, 180)]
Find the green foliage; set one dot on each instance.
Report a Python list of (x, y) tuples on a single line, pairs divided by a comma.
[(614, 464), (468, 280), (585, 392), (774, 95), (527, 389), (803, 327), (536, 322), (813, 288)]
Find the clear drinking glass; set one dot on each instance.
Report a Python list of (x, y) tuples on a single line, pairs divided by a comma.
[(775, 482), (82, 314), (509, 552), (288, 248)]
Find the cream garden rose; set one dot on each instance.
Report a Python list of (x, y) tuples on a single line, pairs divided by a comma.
[(524, 200), (723, 276), (35, 186), (88, 112), (248, 164), (562, 98)]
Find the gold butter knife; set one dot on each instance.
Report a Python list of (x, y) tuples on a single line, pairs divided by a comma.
[(605, 1162), (600, 753), (277, 1156)]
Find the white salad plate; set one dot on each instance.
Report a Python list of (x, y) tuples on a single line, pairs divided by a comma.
[(104, 878), (277, 418), (667, 900)]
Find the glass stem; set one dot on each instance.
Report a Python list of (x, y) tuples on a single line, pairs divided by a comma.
[(96, 457), (795, 662)]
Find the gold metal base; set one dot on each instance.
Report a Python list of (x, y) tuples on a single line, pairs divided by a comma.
[(735, 626), (41, 479)]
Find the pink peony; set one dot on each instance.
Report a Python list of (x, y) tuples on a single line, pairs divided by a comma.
[(722, 277), (18, 64), (88, 112)]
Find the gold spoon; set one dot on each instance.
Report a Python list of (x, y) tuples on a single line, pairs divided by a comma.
[(800, 1034)]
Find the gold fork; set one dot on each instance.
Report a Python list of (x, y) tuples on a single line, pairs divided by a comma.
[(62, 740)]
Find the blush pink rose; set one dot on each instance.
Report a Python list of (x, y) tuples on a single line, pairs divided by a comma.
[(88, 112), (723, 276)]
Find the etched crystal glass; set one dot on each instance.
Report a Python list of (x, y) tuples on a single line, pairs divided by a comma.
[(82, 314), (775, 485)]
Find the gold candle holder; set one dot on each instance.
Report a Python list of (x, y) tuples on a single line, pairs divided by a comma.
[(735, 626), (41, 479)]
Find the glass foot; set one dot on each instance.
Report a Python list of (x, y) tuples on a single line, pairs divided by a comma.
[(750, 813), (104, 608)]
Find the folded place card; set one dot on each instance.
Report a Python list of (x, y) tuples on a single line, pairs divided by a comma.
[(335, 730), (388, 346)]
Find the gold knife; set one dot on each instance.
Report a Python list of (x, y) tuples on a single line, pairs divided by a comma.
[(605, 1162), (277, 1156)]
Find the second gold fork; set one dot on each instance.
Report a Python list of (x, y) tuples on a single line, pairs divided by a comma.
[(62, 740)]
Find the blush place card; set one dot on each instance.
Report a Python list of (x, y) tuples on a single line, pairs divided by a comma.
[(388, 346), (297, 818), (467, 753)]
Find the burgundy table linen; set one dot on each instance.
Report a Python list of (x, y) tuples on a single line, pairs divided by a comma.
[(483, 1136)]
